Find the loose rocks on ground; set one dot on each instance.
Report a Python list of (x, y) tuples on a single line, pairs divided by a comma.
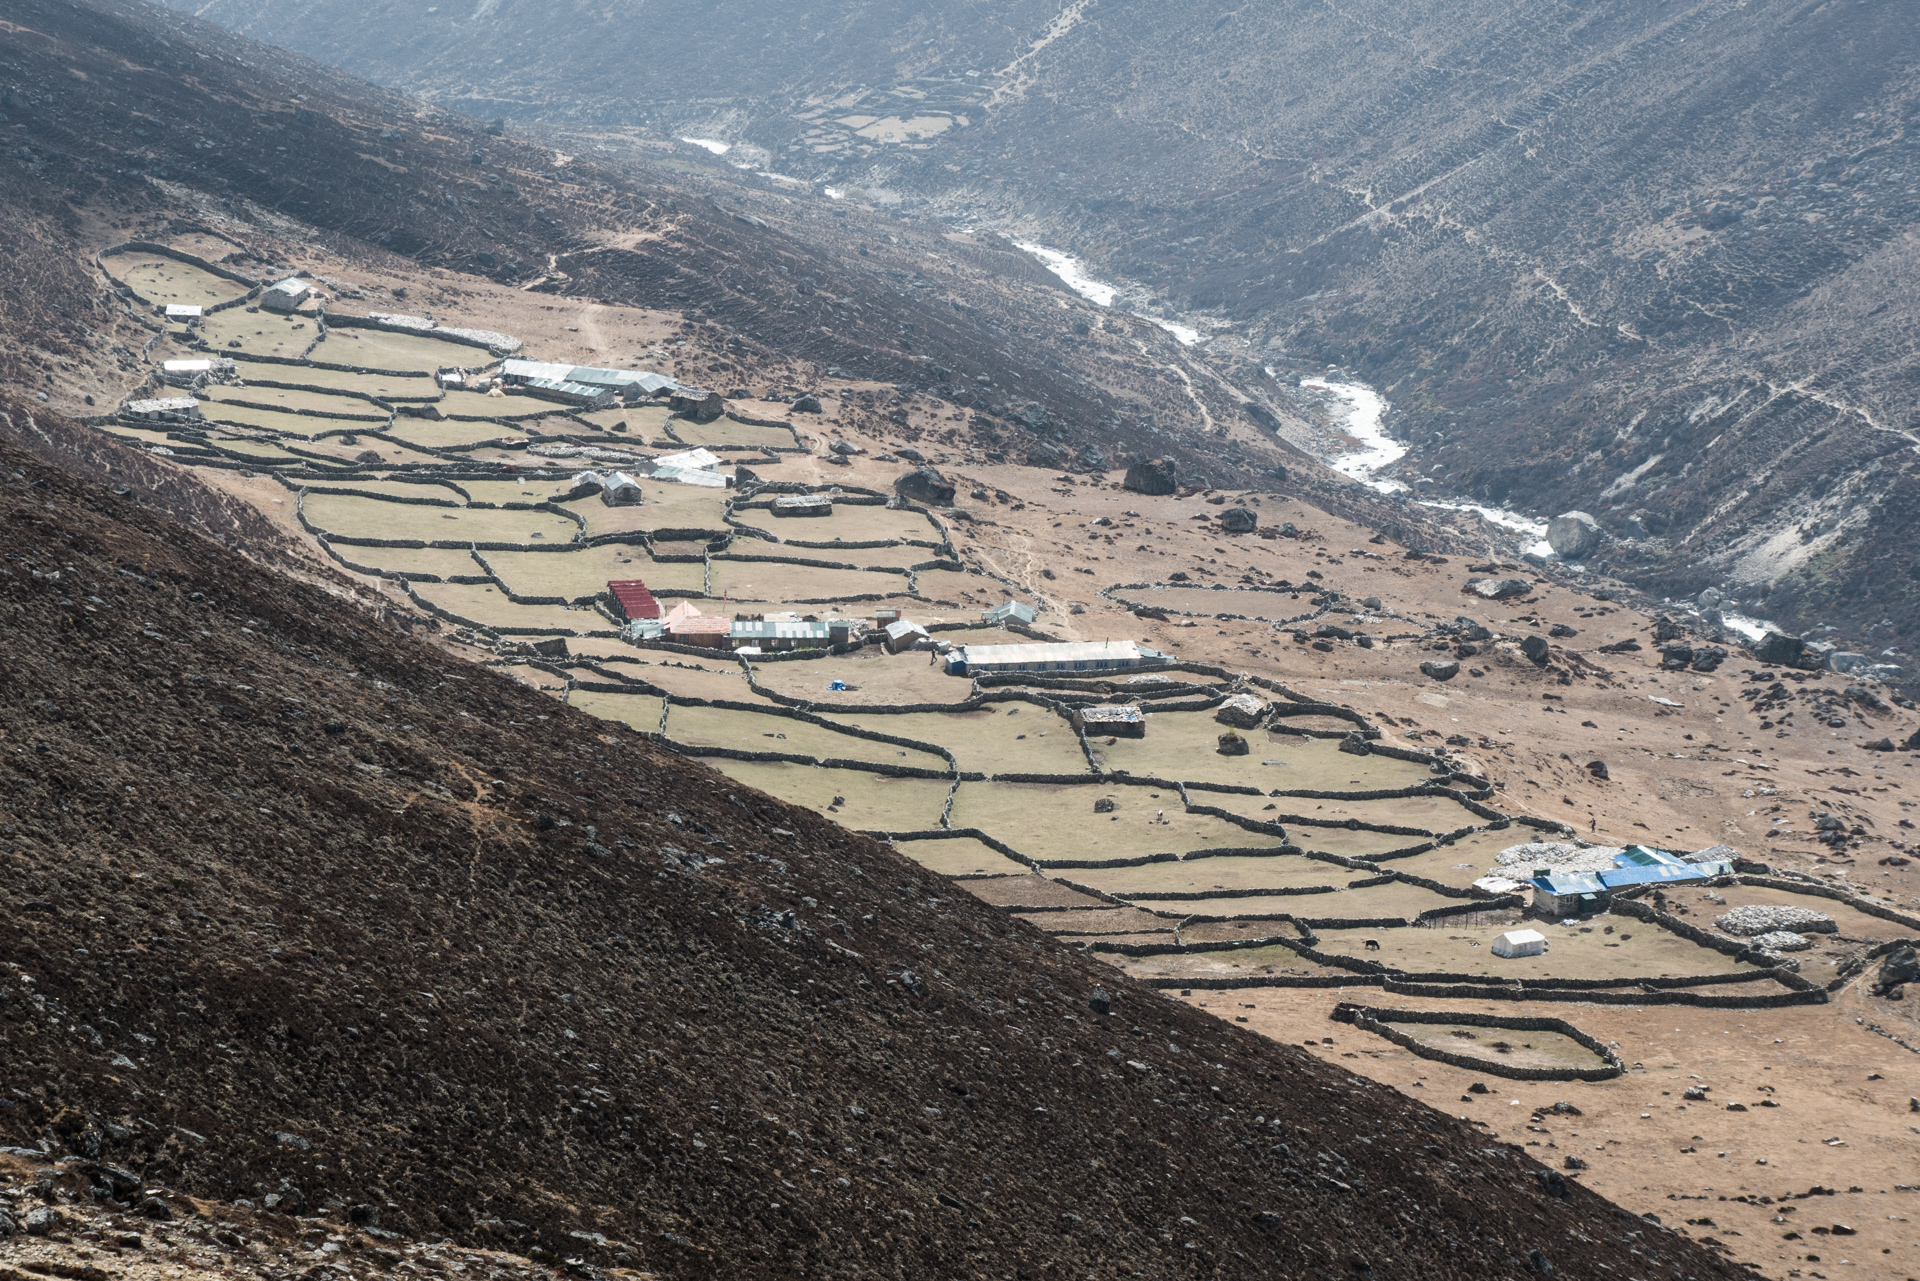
[(1765, 918)]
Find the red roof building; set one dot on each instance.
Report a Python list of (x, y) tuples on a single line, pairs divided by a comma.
[(633, 600)]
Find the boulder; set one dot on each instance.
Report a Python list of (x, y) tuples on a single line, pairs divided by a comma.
[(1355, 744), (1239, 520), (1104, 805), (1900, 968), (701, 406), (1705, 660), (925, 485), (1599, 770), (1151, 476), (1440, 669), (1778, 647), (1231, 744), (846, 448), (1665, 629), (1243, 711), (1498, 588), (807, 404), (1093, 458), (1046, 454), (1536, 650), (1574, 535)]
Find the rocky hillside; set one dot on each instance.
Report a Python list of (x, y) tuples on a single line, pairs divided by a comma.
[(118, 110), (300, 912), (1649, 260)]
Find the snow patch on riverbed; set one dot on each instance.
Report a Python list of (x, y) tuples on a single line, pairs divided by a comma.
[(1074, 273), (1366, 411)]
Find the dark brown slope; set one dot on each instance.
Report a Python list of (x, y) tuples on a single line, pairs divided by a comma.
[(295, 906)]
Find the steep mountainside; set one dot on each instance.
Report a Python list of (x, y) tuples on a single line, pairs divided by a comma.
[(301, 911), (1652, 260), (120, 110)]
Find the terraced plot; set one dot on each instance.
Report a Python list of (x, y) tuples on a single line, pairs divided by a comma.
[(748, 551), (378, 349), (869, 802), (266, 453), (1051, 822), (1185, 745), (165, 281), (643, 422), (238, 333), (358, 517), (489, 607), (522, 409), (451, 434), (348, 447), (294, 402), (294, 426), (997, 739), (698, 727), (385, 386), (960, 856), (581, 572), (1233, 872), (1504, 1047), (725, 433), (800, 584), (966, 591), (394, 486), (663, 505), (689, 678), (640, 711), (848, 523), (1571, 954), (426, 563), (872, 677)]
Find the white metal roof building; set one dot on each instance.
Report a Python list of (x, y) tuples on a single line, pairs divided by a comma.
[(286, 295), (779, 634), (613, 380), (183, 311), (1065, 656), (1520, 943)]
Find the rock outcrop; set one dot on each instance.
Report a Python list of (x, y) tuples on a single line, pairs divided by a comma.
[(1151, 476), (925, 485), (1574, 535)]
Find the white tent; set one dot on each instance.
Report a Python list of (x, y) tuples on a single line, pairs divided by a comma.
[(1520, 943)]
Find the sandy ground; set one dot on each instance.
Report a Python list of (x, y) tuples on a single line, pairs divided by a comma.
[(1843, 1119)]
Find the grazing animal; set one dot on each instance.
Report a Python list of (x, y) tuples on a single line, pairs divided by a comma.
[(1373, 945)]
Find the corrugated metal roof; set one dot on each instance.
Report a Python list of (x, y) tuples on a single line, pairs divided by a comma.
[(703, 623), (763, 629), (1111, 713), (1658, 873), (636, 600), (292, 286), (1068, 652), (1010, 609), (591, 375)]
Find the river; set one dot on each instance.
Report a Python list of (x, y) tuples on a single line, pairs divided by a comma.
[(1074, 274)]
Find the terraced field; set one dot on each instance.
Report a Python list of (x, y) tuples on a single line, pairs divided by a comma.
[(1320, 855)]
